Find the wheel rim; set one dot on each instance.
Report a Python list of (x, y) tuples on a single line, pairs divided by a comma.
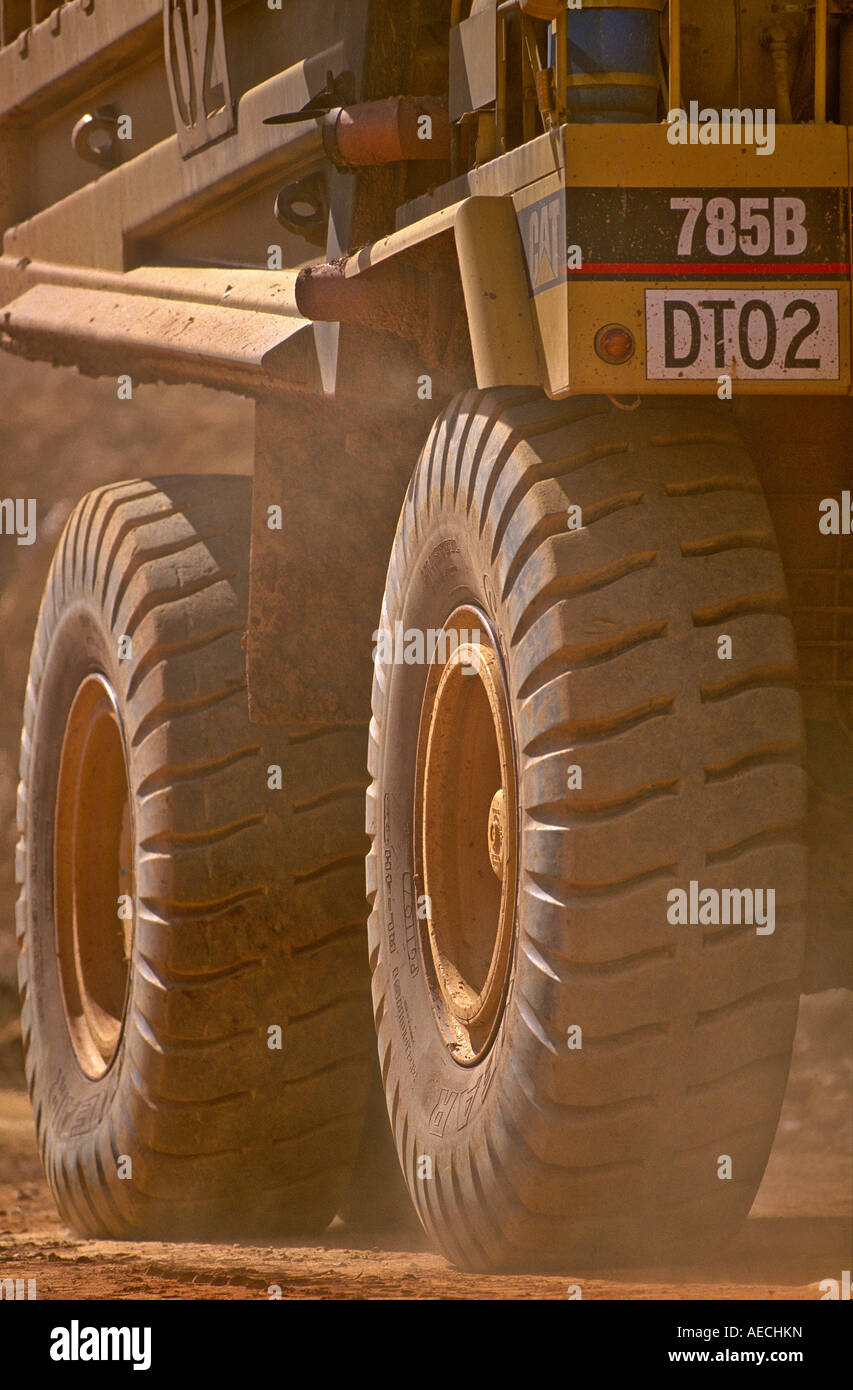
[(93, 868), (465, 835)]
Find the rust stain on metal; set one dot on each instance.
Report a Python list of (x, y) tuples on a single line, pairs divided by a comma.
[(382, 132)]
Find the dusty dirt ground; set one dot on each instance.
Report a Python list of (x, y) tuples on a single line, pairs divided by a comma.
[(61, 435), (798, 1234)]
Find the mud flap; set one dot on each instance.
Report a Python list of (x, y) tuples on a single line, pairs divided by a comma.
[(327, 493)]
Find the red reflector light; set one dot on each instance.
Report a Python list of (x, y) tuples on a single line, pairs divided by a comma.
[(614, 344)]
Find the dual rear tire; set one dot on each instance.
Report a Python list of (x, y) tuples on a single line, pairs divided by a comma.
[(195, 1000), (585, 700)]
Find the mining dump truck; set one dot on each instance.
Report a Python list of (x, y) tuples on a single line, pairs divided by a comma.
[(540, 597)]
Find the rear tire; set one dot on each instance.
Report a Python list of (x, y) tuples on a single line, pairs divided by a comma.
[(518, 1149), (164, 1104)]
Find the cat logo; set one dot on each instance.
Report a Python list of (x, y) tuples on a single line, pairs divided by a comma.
[(197, 72), (542, 227)]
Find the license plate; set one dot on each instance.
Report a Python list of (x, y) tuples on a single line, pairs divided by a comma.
[(752, 335)]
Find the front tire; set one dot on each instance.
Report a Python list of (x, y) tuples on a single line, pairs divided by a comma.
[(608, 1081)]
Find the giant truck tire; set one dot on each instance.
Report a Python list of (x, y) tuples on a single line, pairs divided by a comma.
[(570, 1071), (190, 921)]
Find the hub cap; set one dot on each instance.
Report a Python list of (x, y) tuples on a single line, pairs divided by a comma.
[(465, 834), (93, 869)]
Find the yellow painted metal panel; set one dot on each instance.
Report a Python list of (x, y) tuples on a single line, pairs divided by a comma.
[(571, 309)]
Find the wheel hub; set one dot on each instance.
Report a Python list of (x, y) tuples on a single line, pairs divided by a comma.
[(497, 832), (93, 876), (465, 834)]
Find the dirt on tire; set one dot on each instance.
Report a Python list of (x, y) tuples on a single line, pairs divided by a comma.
[(235, 1098), (609, 633)]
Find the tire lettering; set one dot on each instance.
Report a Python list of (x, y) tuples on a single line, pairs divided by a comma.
[(442, 1111)]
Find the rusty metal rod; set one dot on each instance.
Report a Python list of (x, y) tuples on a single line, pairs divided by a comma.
[(393, 297), (388, 131), (326, 294)]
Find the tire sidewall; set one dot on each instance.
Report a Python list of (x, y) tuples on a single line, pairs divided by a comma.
[(448, 1105), (515, 1175)]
